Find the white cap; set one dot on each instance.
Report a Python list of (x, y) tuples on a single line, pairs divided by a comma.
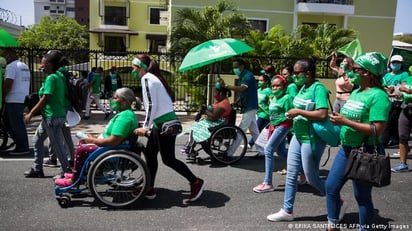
[(397, 58)]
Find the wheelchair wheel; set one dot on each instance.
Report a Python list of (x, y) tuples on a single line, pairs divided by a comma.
[(118, 178), (4, 136), (228, 144)]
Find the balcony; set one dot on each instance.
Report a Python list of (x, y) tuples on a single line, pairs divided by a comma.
[(330, 7), (57, 2)]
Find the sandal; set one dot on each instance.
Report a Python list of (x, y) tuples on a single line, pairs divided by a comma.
[(282, 172)]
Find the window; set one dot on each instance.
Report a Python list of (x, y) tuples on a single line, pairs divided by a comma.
[(114, 45), (115, 15), (259, 24), (70, 9), (155, 14), (46, 8)]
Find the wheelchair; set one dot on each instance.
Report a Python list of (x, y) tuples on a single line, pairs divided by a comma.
[(227, 143), (116, 177)]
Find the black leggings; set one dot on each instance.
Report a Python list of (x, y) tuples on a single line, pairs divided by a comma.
[(166, 146)]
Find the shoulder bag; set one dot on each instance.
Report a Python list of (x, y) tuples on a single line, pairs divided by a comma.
[(371, 168)]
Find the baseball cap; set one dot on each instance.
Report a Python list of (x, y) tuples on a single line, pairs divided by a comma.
[(374, 62), (397, 58)]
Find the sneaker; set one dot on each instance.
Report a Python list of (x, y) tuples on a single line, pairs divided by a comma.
[(281, 216), (396, 154), (32, 173), (258, 156), (248, 148), (343, 206), (402, 167), (196, 189), (63, 182), (264, 187), (19, 153), (51, 163), (151, 194)]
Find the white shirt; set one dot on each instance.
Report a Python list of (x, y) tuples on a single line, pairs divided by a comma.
[(19, 72)]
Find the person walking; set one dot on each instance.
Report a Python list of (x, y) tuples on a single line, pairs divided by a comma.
[(111, 83), (368, 105), (280, 124), (52, 103), (306, 148), (94, 96), (16, 88), (248, 100), (158, 105), (391, 83)]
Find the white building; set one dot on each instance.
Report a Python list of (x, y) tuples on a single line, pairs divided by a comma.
[(53, 8)]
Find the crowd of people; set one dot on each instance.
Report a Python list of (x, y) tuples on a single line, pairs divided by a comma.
[(285, 103)]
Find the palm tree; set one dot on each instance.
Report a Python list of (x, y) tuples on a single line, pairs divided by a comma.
[(192, 27)]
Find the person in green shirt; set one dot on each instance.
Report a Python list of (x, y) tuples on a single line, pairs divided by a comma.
[(263, 92), (53, 106), (405, 122), (118, 131), (306, 148), (292, 88), (367, 105), (94, 94)]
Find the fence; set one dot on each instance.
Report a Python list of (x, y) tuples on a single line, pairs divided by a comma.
[(191, 87)]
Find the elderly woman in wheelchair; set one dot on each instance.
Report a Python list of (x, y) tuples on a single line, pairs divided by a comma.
[(216, 131), (117, 132)]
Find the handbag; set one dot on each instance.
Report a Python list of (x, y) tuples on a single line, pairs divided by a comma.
[(171, 128), (371, 168), (327, 132)]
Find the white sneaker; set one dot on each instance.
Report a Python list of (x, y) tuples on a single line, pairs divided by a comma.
[(342, 211), (263, 187), (281, 216)]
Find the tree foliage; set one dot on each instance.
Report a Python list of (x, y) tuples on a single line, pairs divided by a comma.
[(62, 33), (192, 27)]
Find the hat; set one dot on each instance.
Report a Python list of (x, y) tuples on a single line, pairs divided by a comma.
[(397, 58), (374, 62)]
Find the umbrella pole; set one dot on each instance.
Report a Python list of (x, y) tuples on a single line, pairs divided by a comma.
[(210, 88)]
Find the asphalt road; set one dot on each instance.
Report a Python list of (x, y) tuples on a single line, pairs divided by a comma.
[(228, 203)]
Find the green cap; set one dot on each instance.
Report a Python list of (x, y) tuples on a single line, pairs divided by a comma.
[(374, 62)]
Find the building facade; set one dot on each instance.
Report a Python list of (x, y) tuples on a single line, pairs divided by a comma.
[(76, 9)]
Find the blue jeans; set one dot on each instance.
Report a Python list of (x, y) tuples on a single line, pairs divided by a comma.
[(277, 141), (15, 125), (300, 157), (52, 128), (362, 192)]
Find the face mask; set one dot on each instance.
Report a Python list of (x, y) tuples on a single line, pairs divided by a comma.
[(136, 74), (236, 71), (299, 80), (261, 84), (289, 79), (354, 77), (395, 66), (344, 66), (115, 105), (217, 86), (278, 93)]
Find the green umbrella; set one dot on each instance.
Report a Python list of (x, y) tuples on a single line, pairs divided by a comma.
[(213, 51), (7, 40)]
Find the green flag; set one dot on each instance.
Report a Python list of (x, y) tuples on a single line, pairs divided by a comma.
[(352, 49)]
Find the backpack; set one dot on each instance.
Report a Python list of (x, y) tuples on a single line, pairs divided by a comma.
[(76, 89)]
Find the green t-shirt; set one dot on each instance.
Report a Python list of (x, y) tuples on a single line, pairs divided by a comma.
[(391, 79), (292, 90), (122, 124), (97, 81), (312, 98), (407, 98), (278, 108), (363, 106), (263, 102), (54, 85)]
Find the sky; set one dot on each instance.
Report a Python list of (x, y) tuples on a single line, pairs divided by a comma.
[(24, 9)]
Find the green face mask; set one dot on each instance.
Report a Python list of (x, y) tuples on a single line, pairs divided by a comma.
[(289, 79), (261, 84), (115, 105), (354, 77), (278, 93), (136, 74), (299, 80)]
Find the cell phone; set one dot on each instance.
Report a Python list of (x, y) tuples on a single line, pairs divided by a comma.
[(81, 135)]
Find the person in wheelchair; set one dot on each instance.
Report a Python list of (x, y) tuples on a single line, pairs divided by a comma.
[(216, 114), (118, 131)]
